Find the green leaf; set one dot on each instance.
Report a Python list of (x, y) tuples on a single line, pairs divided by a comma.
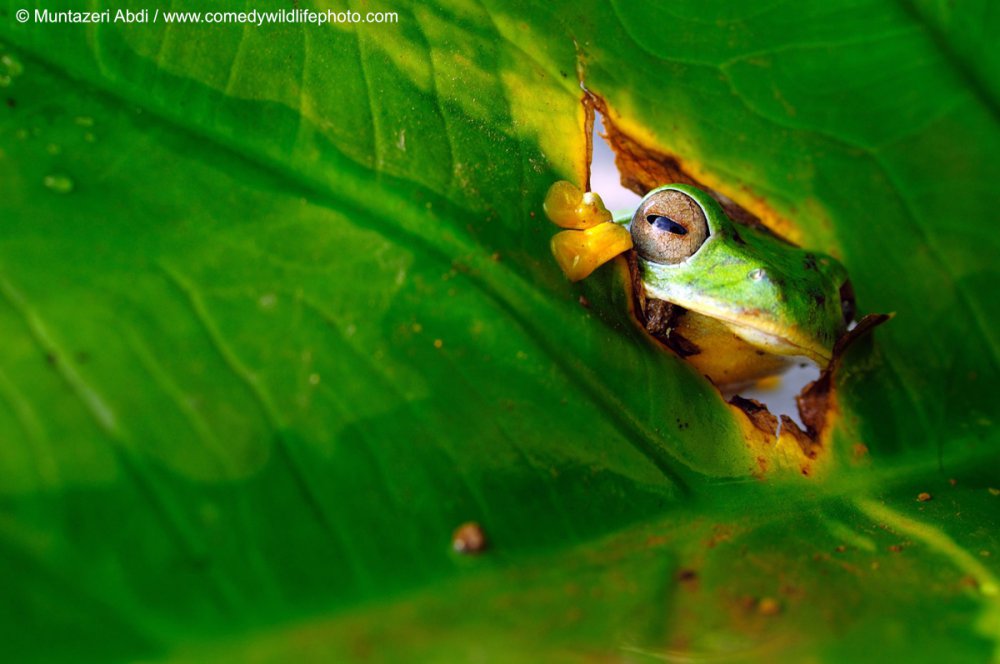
[(279, 315)]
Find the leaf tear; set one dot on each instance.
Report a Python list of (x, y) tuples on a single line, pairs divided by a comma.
[(642, 169)]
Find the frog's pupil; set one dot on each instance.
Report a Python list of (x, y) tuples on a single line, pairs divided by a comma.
[(666, 224)]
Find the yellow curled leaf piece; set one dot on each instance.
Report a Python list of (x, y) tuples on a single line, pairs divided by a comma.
[(568, 207), (581, 252)]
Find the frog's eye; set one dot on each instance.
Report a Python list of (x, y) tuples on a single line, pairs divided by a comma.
[(669, 227)]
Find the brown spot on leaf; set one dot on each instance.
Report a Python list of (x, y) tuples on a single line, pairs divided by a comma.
[(687, 576), (469, 538), (969, 581), (923, 496), (720, 533), (768, 606)]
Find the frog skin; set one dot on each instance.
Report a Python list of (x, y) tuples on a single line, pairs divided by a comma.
[(738, 302)]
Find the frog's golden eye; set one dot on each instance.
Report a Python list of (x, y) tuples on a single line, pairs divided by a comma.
[(669, 227)]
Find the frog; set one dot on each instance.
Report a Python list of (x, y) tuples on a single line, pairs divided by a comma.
[(737, 301)]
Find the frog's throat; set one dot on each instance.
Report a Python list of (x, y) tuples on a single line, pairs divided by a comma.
[(763, 335)]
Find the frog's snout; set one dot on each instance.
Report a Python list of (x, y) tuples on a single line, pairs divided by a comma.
[(592, 239)]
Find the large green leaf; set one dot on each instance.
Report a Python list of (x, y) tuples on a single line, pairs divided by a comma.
[(279, 315)]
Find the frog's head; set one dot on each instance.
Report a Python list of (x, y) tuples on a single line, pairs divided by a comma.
[(775, 296)]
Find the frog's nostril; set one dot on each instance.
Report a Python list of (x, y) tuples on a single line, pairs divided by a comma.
[(666, 224)]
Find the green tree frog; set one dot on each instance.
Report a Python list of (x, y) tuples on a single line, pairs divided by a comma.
[(736, 301)]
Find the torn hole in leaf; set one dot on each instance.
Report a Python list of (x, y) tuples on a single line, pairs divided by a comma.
[(604, 176), (790, 410)]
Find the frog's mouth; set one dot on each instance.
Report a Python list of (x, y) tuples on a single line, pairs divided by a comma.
[(764, 335), (685, 330), (763, 339)]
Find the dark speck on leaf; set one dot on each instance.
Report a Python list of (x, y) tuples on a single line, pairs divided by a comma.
[(11, 102), (51, 358), (810, 262)]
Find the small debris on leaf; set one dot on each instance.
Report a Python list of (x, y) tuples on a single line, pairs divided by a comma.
[(969, 581), (952, 481), (994, 491), (923, 496), (769, 606), (687, 575), (469, 539), (584, 302)]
